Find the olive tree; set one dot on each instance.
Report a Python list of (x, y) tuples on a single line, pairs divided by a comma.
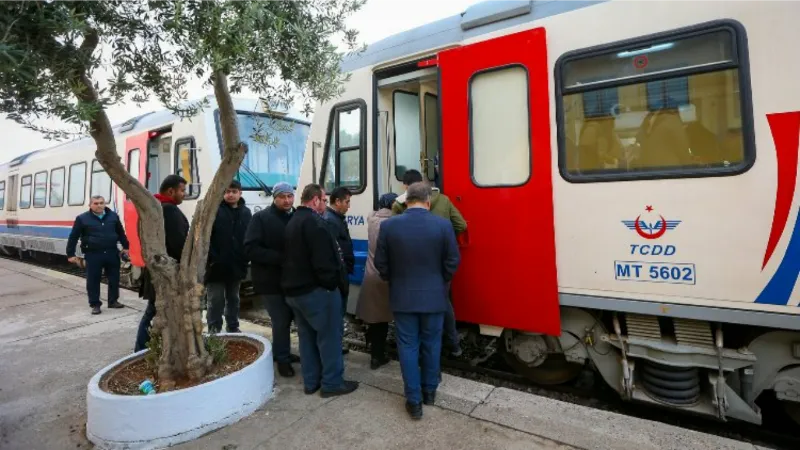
[(51, 55)]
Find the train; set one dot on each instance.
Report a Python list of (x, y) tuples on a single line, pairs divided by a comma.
[(628, 174), (41, 192)]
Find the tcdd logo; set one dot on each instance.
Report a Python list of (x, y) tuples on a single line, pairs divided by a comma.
[(653, 229)]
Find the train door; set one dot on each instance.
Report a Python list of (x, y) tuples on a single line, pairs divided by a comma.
[(497, 169), (135, 151)]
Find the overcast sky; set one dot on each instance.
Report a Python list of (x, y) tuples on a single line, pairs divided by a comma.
[(376, 20)]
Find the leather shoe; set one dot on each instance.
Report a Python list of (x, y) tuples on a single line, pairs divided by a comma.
[(345, 351), (428, 398), (96, 310), (346, 388), (285, 370), (116, 305), (375, 363), (414, 410), (308, 391)]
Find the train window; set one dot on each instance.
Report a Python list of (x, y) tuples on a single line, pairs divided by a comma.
[(344, 163), (57, 187), (186, 165), (25, 192), (432, 134), (406, 113), (100, 183), (133, 163), (500, 145), (2, 194), (40, 190), (76, 196), (275, 149), (660, 107)]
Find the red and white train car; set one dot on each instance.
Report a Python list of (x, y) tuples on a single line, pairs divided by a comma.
[(628, 173)]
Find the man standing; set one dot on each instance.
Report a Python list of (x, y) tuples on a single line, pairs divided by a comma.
[(335, 217), (264, 246), (227, 263), (442, 207), (99, 230), (176, 228), (310, 278), (418, 255)]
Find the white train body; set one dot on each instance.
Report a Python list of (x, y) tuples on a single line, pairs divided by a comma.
[(622, 166)]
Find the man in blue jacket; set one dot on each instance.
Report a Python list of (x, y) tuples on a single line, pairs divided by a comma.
[(99, 230), (418, 255)]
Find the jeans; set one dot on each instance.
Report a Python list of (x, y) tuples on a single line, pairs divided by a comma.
[(96, 262), (281, 316), (143, 336), (419, 333), (223, 295), (318, 315), (376, 337)]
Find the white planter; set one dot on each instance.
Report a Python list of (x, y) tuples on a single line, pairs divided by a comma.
[(156, 421)]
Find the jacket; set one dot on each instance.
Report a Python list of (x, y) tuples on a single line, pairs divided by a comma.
[(312, 259), (418, 255), (440, 205), (176, 228), (227, 260), (264, 247), (338, 226), (96, 234), (373, 297)]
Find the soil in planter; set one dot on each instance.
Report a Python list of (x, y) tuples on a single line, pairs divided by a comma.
[(125, 381)]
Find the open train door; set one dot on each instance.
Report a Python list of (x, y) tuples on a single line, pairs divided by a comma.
[(496, 166), (136, 163)]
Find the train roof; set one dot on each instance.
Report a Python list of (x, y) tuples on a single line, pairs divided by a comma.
[(478, 19), (145, 121)]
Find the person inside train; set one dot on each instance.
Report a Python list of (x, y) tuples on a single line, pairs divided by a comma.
[(264, 247), (442, 207), (227, 262), (99, 230), (176, 228), (339, 204), (417, 255), (373, 297), (310, 277)]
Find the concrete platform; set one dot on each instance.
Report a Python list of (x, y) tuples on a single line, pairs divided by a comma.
[(51, 346)]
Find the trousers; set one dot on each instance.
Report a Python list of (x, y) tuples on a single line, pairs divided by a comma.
[(419, 346), (143, 334), (281, 316), (223, 296), (96, 263)]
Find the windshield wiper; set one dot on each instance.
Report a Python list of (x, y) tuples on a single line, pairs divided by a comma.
[(257, 180)]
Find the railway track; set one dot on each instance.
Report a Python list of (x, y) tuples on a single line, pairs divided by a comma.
[(587, 390)]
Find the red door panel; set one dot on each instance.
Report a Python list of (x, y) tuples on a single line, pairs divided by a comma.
[(507, 276), (138, 142)]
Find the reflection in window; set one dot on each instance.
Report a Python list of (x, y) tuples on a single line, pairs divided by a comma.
[(40, 190), (343, 161), (133, 163), (406, 132), (77, 184), (101, 182), (57, 187), (25, 193), (600, 103), (2, 194), (500, 127), (275, 150), (680, 122), (432, 135)]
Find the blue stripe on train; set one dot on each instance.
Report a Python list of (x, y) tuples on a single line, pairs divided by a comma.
[(778, 290), (360, 251), (37, 231)]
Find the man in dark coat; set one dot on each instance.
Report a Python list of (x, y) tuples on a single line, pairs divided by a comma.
[(418, 255), (334, 216), (227, 262), (99, 230), (310, 279), (176, 228), (264, 246)]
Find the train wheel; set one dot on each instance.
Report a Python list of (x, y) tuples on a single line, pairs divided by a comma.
[(527, 355)]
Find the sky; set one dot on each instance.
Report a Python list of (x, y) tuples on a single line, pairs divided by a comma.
[(376, 20)]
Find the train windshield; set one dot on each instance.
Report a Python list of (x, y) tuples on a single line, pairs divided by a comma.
[(276, 147)]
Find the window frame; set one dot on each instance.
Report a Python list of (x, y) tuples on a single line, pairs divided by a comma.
[(46, 190), (194, 169), (50, 188), (469, 126), (740, 62), (69, 183), (30, 194), (438, 130), (3, 195), (91, 181), (394, 127), (333, 122), (138, 162)]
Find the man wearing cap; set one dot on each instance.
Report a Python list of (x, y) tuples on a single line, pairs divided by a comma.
[(264, 247)]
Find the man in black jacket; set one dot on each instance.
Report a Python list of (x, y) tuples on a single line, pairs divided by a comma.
[(335, 217), (264, 246), (227, 262), (310, 279), (99, 230), (176, 228)]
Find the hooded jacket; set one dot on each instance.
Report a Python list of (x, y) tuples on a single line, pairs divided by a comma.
[(227, 260)]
